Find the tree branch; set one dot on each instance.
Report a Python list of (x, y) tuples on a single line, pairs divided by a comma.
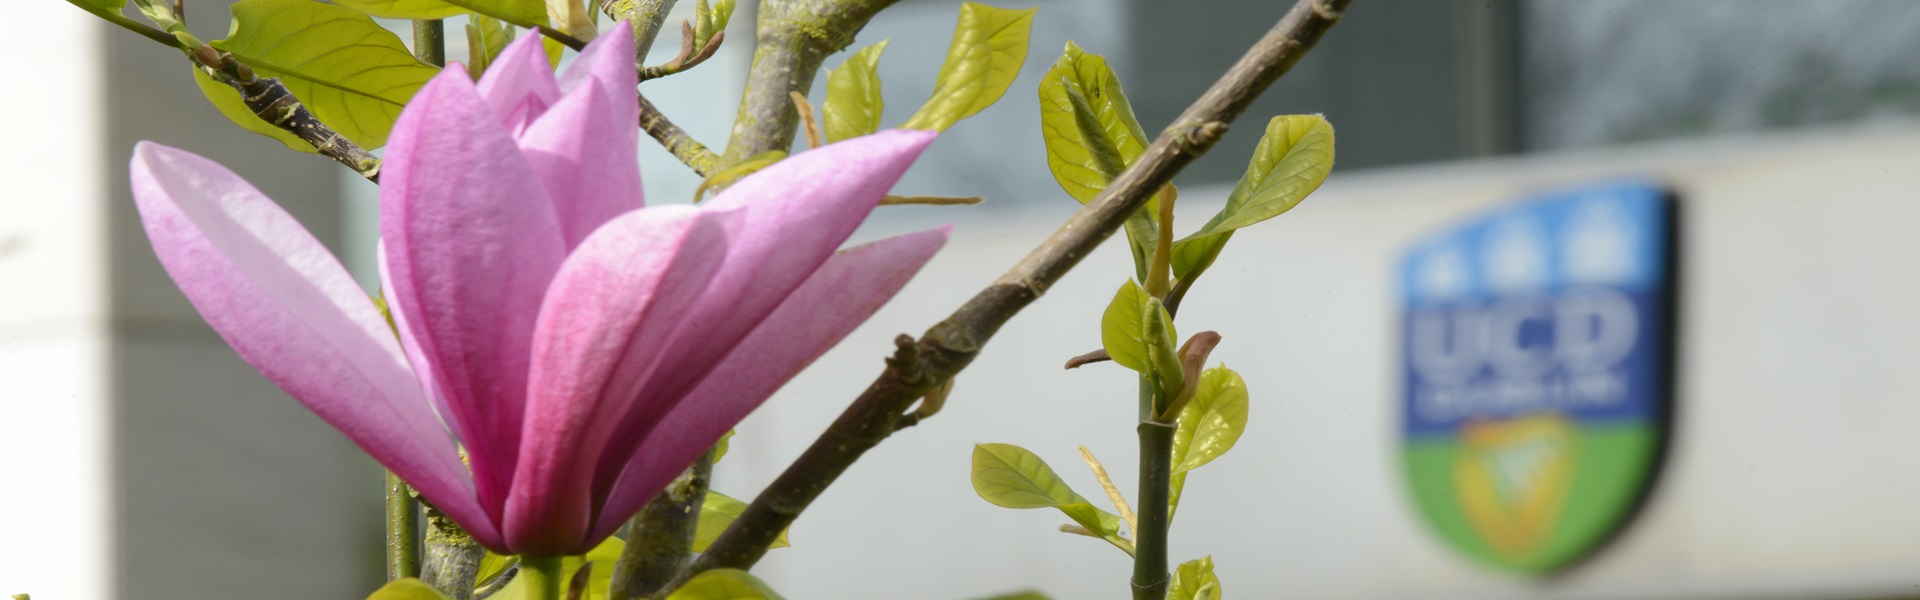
[(690, 151), (273, 103), (661, 539), (793, 37), (945, 349), (646, 16)]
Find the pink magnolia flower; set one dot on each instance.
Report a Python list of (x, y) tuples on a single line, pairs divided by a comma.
[(582, 348)]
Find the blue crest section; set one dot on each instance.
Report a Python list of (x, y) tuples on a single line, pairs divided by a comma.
[(1552, 305)]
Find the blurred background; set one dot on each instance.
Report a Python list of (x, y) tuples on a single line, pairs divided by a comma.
[(139, 458)]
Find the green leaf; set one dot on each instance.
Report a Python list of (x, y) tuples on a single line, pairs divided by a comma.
[(708, 20), (854, 104), (1091, 136), (1090, 129), (1209, 426), (1158, 334), (407, 589), (721, 15), (1194, 580), (491, 566), (353, 74), (1010, 476), (602, 556), (1120, 331), (1293, 159), (725, 584), (524, 11), (486, 38), (989, 45), (727, 176), (1133, 324), (718, 512)]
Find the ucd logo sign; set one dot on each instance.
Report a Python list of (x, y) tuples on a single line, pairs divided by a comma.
[(1537, 352)]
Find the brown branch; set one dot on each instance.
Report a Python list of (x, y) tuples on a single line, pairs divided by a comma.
[(793, 37), (918, 367), (676, 140), (661, 539), (273, 103)]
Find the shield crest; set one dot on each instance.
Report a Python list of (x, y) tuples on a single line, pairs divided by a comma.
[(1537, 348)]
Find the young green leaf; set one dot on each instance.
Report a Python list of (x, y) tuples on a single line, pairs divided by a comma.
[(718, 512), (1124, 330), (721, 15), (491, 566), (602, 556), (708, 20), (1091, 136), (1012, 477), (725, 584), (572, 17), (351, 72), (407, 589), (1291, 161), (854, 104), (720, 448), (727, 176), (486, 38), (1120, 331), (1209, 426), (1156, 327), (1194, 580), (989, 45)]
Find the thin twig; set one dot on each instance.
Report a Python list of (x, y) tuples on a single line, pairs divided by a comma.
[(949, 346), (1113, 493), (403, 530), (676, 140), (891, 200)]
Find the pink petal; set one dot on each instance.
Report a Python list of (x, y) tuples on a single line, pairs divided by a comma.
[(610, 60), (472, 243), (519, 86), (422, 369), (602, 328), (835, 300), (797, 212), (290, 310), (590, 174)]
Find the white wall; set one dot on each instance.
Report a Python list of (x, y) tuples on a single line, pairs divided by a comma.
[(1792, 475), (54, 456)]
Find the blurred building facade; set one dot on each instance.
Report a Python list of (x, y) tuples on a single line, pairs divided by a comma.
[(140, 458)]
